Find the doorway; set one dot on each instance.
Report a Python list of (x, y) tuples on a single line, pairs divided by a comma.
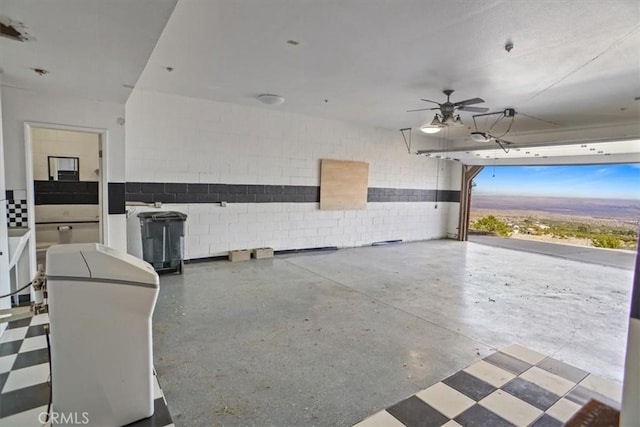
[(592, 205), (66, 186)]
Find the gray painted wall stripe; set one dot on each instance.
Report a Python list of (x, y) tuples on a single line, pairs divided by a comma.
[(169, 192), (65, 192), (116, 198)]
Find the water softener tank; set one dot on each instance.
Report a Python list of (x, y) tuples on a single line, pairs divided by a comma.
[(100, 305)]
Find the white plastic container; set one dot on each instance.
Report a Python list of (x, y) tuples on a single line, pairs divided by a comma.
[(100, 307)]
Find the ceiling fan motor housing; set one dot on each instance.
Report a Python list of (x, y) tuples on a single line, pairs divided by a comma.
[(447, 109)]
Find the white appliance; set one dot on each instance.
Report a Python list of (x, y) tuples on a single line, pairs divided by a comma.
[(100, 305)]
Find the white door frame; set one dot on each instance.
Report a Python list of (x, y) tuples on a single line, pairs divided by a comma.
[(104, 187)]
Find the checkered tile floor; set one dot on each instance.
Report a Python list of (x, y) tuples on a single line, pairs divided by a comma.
[(514, 386), (24, 374)]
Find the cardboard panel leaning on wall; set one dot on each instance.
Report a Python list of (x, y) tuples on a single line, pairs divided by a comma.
[(343, 185)]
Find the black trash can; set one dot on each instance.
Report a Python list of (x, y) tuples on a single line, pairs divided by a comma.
[(163, 239)]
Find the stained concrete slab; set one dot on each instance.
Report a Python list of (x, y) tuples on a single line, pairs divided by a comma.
[(329, 338)]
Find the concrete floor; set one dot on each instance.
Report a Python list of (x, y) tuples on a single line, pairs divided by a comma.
[(609, 257), (330, 338)]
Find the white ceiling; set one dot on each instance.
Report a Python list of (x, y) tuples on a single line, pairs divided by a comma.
[(574, 62), (90, 48)]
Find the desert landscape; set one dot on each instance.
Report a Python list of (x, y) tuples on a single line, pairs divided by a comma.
[(585, 222)]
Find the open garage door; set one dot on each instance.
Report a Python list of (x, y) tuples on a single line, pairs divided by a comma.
[(474, 158), (579, 205)]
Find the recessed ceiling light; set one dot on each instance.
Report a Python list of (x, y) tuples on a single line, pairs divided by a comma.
[(293, 42), (270, 99)]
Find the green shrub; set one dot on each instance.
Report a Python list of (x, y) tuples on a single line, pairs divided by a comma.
[(606, 241), (492, 224)]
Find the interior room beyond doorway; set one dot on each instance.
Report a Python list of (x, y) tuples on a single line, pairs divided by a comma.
[(67, 187)]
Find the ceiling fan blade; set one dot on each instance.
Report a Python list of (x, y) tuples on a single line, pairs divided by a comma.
[(536, 118), (474, 109), (428, 100), (469, 102), (422, 109)]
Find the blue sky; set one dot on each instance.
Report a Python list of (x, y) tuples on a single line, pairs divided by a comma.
[(595, 181)]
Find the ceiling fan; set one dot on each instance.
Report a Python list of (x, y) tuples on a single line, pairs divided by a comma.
[(447, 114)]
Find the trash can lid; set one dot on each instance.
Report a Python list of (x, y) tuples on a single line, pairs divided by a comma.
[(163, 215)]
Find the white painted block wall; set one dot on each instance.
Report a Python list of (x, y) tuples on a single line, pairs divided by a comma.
[(5, 285), (178, 139), (20, 106)]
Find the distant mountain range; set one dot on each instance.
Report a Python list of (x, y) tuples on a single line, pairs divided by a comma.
[(595, 208)]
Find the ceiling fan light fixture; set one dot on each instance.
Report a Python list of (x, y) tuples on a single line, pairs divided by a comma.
[(430, 129), (480, 137), (270, 99), (457, 121), (436, 121), (434, 127)]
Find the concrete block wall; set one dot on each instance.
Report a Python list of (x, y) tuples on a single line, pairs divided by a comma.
[(174, 139), (42, 109)]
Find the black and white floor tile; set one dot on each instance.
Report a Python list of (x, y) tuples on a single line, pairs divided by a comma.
[(515, 386), (24, 375)]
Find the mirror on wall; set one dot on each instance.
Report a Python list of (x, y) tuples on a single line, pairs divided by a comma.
[(64, 168)]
